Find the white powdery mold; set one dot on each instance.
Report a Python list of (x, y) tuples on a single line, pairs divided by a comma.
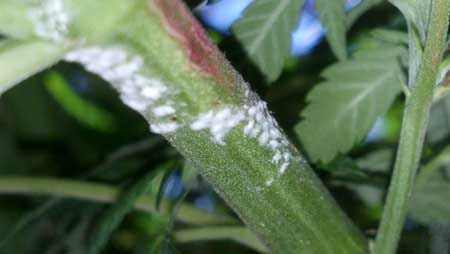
[(270, 181), (263, 127), (164, 110), (50, 19), (257, 123), (219, 122), (164, 128), (124, 72)]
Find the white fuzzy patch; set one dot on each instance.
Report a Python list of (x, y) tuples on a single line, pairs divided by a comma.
[(219, 123), (124, 71), (164, 128), (257, 123), (270, 182), (263, 127), (50, 19), (148, 96), (164, 110)]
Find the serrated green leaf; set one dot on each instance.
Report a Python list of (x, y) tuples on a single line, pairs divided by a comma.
[(378, 161), (391, 36), (333, 19), (265, 32), (417, 12), (20, 60), (345, 106)]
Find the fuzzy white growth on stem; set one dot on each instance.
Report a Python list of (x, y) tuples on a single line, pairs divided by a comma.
[(50, 19), (124, 71), (164, 110), (149, 96), (258, 124), (219, 123), (164, 128), (261, 125), (270, 181)]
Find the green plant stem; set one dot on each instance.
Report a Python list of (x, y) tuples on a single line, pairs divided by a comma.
[(412, 137), (239, 234), (284, 202), (104, 194)]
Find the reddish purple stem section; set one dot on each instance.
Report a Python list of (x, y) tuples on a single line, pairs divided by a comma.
[(181, 24)]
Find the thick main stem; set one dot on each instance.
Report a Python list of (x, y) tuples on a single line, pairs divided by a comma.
[(164, 66), (412, 137)]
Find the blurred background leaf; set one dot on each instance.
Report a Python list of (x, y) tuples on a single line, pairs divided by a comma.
[(265, 32), (345, 106), (332, 16)]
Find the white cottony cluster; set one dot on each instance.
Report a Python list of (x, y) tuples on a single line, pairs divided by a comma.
[(50, 19), (262, 126), (164, 127), (165, 110), (258, 124), (149, 96), (219, 123), (124, 71)]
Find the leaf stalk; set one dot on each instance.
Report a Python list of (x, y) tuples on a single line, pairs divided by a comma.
[(412, 137)]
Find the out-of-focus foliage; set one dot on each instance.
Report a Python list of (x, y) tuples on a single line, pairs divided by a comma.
[(417, 12), (430, 204), (20, 60), (439, 127), (343, 109), (332, 16), (265, 32), (82, 110)]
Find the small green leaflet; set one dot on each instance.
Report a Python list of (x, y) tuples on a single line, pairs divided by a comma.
[(345, 106), (333, 18), (416, 12), (265, 32), (379, 161)]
